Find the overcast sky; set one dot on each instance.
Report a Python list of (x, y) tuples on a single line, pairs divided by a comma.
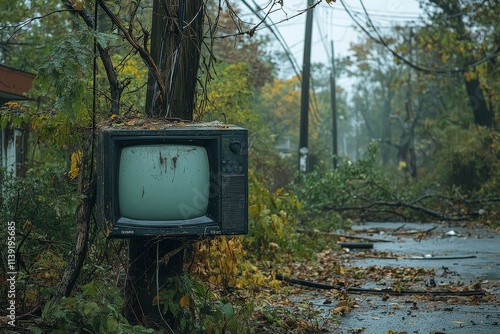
[(332, 23)]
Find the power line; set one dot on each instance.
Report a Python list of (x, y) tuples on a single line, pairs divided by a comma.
[(278, 37), (285, 25), (322, 39), (401, 15), (378, 39)]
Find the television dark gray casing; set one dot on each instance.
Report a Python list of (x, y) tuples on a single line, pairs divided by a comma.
[(227, 148)]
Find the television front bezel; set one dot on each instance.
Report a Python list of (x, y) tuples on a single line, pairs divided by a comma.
[(117, 226)]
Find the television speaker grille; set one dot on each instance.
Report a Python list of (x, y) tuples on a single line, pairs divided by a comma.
[(235, 203)]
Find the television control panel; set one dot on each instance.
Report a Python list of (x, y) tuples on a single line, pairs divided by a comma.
[(234, 162), (234, 155)]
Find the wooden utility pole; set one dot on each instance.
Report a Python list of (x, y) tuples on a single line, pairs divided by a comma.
[(151, 263), (304, 104), (333, 92), (176, 37)]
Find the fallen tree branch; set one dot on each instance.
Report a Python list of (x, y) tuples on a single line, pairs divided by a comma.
[(393, 232), (355, 245), (390, 207), (399, 204), (422, 257), (414, 231), (343, 235), (378, 291)]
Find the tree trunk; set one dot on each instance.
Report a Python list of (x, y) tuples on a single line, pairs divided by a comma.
[(482, 114), (115, 87), (176, 50), (175, 47), (151, 262), (386, 134), (87, 188), (80, 244)]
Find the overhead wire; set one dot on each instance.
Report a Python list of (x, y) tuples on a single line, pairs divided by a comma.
[(277, 35), (286, 49), (314, 95), (378, 39), (322, 40)]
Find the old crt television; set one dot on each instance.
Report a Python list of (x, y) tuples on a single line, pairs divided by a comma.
[(173, 181)]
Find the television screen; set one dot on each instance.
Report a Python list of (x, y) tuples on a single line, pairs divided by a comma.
[(173, 180), (163, 182)]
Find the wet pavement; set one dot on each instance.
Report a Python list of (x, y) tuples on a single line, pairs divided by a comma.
[(471, 253), (458, 258)]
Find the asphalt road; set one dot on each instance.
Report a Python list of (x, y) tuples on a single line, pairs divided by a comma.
[(459, 255), (459, 258)]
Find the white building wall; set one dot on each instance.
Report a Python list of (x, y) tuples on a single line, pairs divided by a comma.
[(8, 148)]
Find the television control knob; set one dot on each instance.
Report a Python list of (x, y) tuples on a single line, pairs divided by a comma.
[(235, 147)]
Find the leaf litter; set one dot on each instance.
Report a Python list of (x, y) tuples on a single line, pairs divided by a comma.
[(334, 268)]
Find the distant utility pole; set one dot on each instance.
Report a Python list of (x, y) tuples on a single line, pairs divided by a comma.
[(304, 104), (333, 92)]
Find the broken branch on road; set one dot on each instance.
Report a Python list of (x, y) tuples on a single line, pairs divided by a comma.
[(378, 291)]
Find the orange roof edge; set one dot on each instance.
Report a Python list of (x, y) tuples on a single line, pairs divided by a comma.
[(14, 81)]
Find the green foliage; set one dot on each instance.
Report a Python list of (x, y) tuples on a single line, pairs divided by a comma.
[(195, 309), (466, 160), (272, 222), (463, 184), (492, 158), (229, 98), (42, 205), (450, 43), (132, 73), (44, 200), (466, 167), (350, 183), (278, 103), (27, 38), (96, 309), (66, 76), (331, 197)]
